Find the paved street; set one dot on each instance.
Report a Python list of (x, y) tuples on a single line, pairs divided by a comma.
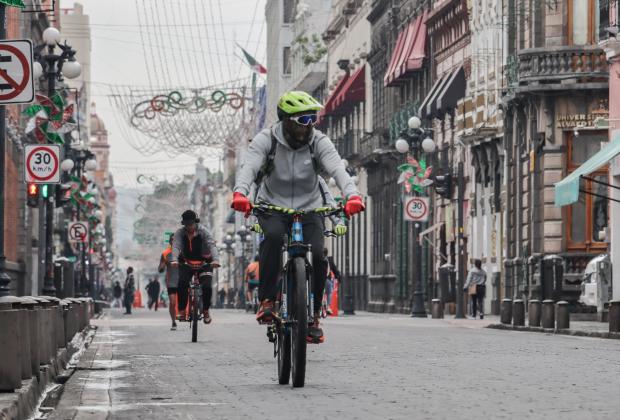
[(372, 366)]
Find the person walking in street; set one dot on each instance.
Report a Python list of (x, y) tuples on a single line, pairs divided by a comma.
[(154, 293), (117, 294), (128, 291), (284, 161), (171, 279), (476, 285), (251, 279), (333, 276), (149, 301)]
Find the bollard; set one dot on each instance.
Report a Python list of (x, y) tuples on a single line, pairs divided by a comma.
[(437, 309), (518, 313), (562, 315), (59, 334), (506, 311), (43, 327), (10, 368), (548, 314), (22, 338), (64, 309), (533, 313), (614, 316), (33, 307)]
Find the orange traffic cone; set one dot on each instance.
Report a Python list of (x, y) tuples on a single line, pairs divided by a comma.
[(137, 301), (335, 299)]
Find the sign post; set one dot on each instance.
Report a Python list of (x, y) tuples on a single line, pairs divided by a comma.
[(42, 163), (416, 209)]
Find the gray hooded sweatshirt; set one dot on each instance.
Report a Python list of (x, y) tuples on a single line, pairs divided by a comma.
[(293, 182)]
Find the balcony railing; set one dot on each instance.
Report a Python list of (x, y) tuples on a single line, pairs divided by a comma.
[(546, 65)]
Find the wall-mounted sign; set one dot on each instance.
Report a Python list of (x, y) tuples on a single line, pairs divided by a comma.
[(591, 119)]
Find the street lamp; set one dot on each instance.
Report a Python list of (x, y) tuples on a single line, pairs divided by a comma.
[(51, 65), (416, 137)]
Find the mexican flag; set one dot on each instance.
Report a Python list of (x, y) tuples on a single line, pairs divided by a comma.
[(254, 65)]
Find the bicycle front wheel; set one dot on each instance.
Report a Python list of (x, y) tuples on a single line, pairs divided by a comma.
[(194, 306), (299, 315)]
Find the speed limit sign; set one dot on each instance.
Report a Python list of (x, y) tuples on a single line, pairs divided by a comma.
[(42, 163), (416, 209)]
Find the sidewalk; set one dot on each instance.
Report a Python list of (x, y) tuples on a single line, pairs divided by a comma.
[(577, 328)]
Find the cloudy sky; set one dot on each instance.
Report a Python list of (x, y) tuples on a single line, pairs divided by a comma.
[(141, 43)]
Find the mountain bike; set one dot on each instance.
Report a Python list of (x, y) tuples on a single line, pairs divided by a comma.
[(201, 273), (294, 305)]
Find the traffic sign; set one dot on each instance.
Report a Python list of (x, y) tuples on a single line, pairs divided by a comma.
[(416, 209), (16, 75), (78, 232), (42, 163)]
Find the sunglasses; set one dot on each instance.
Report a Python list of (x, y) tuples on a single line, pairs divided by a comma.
[(305, 120)]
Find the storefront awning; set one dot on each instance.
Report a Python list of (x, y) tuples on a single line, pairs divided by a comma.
[(567, 190), (353, 91), (445, 93), (408, 55)]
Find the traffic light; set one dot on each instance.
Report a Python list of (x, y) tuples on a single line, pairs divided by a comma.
[(63, 194), (33, 195), (443, 185), (45, 191)]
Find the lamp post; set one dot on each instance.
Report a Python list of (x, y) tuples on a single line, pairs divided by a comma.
[(415, 138), (229, 247), (53, 66), (243, 235), (5, 280), (80, 160)]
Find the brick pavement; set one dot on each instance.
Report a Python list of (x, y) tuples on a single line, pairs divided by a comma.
[(372, 366)]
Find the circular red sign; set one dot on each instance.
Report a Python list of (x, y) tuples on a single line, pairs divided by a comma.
[(18, 87), (421, 209), (54, 157)]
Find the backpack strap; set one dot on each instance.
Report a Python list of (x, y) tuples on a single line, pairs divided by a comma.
[(317, 169), (267, 167)]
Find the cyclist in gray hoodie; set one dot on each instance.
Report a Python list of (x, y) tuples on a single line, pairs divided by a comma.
[(285, 161)]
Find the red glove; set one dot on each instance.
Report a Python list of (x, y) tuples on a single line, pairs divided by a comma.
[(241, 203), (354, 205)]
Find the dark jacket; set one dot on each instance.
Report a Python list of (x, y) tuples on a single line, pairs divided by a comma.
[(201, 246)]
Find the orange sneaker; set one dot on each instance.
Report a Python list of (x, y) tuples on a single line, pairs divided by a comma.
[(181, 316), (265, 312), (315, 332)]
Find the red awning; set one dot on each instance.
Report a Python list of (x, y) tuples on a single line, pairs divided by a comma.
[(329, 104), (354, 89), (411, 54), (394, 59)]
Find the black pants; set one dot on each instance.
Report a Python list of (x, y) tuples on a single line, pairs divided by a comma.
[(128, 301), (154, 302), (477, 300), (185, 277), (274, 227)]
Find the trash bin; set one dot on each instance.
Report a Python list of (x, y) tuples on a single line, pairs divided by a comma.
[(551, 278), (447, 280)]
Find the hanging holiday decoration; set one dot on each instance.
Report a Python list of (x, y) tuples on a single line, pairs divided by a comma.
[(50, 119), (415, 175), (13, 3)]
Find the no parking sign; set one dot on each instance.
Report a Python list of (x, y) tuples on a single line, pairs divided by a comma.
[(416, 209)]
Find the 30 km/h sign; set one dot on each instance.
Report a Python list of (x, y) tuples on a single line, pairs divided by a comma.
[(416, 209), (42, 164), (16, 79), (78, 232)]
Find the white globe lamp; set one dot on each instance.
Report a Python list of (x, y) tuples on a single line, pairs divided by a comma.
[(67, 164), (428, 145), (51, 36), (414, 123), (90, 165), (401, 146), (37, 70), (71, 69)]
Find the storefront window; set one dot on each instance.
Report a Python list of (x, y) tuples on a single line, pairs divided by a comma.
[(589, 216)]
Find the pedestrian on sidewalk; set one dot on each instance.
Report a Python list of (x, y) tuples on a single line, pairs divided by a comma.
[(117, 294), (129, 290), (476, 285)]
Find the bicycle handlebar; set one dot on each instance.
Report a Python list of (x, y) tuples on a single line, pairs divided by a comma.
[(323, 211)]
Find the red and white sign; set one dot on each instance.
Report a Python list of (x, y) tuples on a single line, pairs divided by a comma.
[(16, 76), (42, 164), (416, 209), (78, 232)]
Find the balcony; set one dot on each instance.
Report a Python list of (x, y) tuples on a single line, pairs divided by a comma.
[(561, 68)]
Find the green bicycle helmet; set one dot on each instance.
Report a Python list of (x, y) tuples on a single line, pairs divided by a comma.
[(297, 101)]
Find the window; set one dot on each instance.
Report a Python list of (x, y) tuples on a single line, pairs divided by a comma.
[(286, 60), (583, 21), (288, 11), (589, 216)]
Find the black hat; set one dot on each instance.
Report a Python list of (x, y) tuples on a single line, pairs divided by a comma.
[(188, 217)]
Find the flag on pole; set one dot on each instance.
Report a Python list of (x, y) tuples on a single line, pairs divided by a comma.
[(254, 65)]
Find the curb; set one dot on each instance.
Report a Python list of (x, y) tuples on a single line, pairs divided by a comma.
[(22, 403), (577, 333)]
